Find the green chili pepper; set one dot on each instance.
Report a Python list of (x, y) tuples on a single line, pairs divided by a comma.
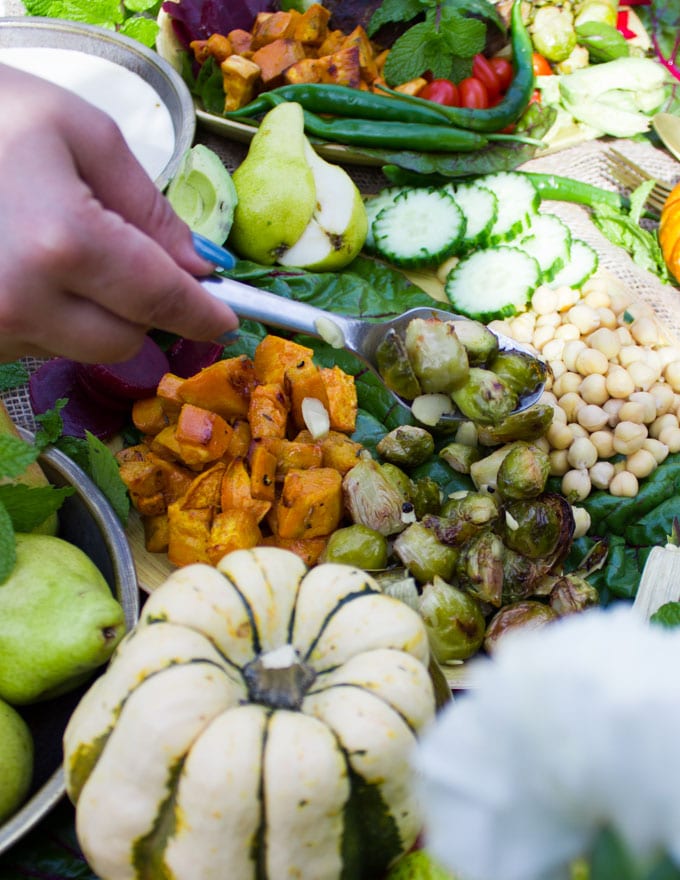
[(343, 101), (516, 98), (562, 189)]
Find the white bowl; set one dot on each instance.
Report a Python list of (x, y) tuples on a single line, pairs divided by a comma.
[(86, 519)]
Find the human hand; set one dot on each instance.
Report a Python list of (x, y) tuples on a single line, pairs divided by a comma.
[(91, 253)]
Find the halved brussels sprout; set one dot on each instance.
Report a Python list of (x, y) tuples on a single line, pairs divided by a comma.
[(480, 567), (357, 545), (524, 472), (528, 614), (460, 456), (426, 557), (372, 499), (480, 343), (485, 397), (454, 621), (395, 367), (530, 424), (520, 371), (407, 445), (437, 356), (540, 528), (426, 496)]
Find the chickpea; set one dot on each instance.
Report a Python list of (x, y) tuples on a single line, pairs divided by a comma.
[(607, 319), (619, 383), (559, 464), (613, 407), (584, 317), (663, 396), (619, 297), (643, 375), (591, 361), (624, 335), (628, 354), (552, 319), (557, 367), (571, 402), (658, 449), (572, 349), (629, 437), (601, 474), (576, 485), (644, 331), (670, 437), (544, 300), (553, 349), (559, 416), (521, 330), (606, 341), (671, 374), (624, 485), (641, 463), (596, 298), (577, 430), (542, 335), (632, 412), (581, 521), (567, 382), (548, 397), (593, 389), (667, 420), (639, 309), (559, 436), (566, 298), (582, 454), (603, 441), (592, 417), (568, 332), (667, 354), (542, 444), (646, 400)]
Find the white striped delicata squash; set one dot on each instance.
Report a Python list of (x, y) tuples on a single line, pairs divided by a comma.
[(256, 723)]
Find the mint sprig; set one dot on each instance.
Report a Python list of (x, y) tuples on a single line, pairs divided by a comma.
[(135, 18)]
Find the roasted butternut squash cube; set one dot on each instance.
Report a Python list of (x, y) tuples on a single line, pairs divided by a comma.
[(143, 476), (274, 355), (338, 451), (168, 392), (165, 444), (224, 387), (342, 398), (308, 549), (156, 533), (240, 78), (219, 47), (203, 436), (331, 43), (262, 473), (200, 50), (149, 415), (304, 380), (235, 491), (239, 444), (274, 58), (188, 534), (309, 70), (367, 65), (293, 456), (268, 411), (310, 504), (343, 67), (271, 26), (232, 530), (312, 26), (205, 489)]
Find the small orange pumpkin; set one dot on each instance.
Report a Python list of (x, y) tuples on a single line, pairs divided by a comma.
[(669, 232)]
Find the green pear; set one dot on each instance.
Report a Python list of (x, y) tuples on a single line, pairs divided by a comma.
[(339, 225), (203, 194), (275, 188), (16, 760), (59, 620)]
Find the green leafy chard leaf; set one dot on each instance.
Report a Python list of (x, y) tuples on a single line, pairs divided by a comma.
[(12, 375), (104, 471), (624, 229), (667, 615)]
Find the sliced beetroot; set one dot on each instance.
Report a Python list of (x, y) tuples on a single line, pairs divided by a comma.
[(133, 379), (96, 396), (57, 379), (188, 357)]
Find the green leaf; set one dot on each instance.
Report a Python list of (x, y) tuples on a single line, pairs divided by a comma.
[(144, 30), (12, 375), (8, 550), (667, 615), (105, 473), (106, 13), (15, 456), (393, 11), (624, 230), (209, 87), (28, 506), (50, 425), (610, 858), (150, 6)]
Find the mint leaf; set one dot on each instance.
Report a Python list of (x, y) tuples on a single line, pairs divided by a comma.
[(8, 548), (144, 30), (15, 456), (394, 11), (150, 6), (103, 468), (667, 615), (28, 506), (50, 424), (481, 9), (12, 375), (105, 13)]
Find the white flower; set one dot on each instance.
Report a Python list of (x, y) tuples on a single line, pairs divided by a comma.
[(567, 729)]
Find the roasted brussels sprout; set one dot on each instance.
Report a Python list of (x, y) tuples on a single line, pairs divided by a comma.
[(540, 528), (484, 472), (530, 424), (437, 356), (521, 372), (463, 518), (572, 593), (485, 397), (523, 473), (395, 367), (418, 548), (357, 545), (426, 496), (521, 576), (460, 456), (372, 499), (480, 567), (480, 343), (526, 615), (400, 584), (399, 479), (454, 621), (407, 445), (552, 32)]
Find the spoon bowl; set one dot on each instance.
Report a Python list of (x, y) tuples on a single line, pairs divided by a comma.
[(356, 335)]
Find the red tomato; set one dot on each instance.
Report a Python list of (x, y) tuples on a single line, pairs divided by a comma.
[(541, 65), (504, 71), (473, 93), (484, 72), (441, 91)]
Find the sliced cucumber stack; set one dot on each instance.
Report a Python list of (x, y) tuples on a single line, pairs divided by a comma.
[(518, 202), (583, 262), (480, 207), (422, 227), (548, 241), (491, 284)]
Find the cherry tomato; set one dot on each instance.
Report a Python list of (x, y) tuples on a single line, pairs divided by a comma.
[(541, 65), (484, 72), (535, 97), (441, 91), (503, 70), (473, 93)]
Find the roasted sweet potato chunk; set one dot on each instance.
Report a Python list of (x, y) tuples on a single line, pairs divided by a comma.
[(274, 58), (232, 530), (202, 436), (188, 534), (236, 492), (240, 78), (268, 411), (310, 504), (224, 387), (274, 355), (342, 398)]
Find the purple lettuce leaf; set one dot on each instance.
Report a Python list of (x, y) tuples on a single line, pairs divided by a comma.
[(198, 19)]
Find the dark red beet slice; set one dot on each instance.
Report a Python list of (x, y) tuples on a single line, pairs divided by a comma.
[(188, 357), (94, 394), (58, 378), (133, 379)]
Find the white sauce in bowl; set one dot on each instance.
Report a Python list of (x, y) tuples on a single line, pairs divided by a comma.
[(135, 105)]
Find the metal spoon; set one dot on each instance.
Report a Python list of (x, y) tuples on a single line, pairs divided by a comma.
[(355, 335), (667, 126)]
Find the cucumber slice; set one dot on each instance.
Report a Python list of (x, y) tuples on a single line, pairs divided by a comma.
[(548, 241), (583, 262), (374, 205), (421, 228), (518, 202), (480, 207), (491, 284)]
